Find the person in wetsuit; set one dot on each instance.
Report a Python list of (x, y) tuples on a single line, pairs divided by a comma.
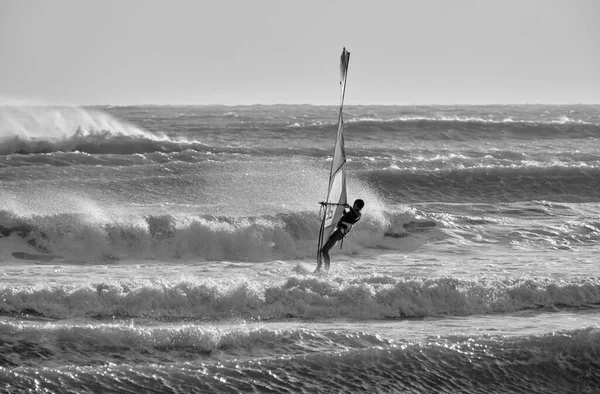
[(344, 225)]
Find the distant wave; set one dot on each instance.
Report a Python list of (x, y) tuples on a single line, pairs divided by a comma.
[(506, 120), (56, 122), (398, 131), (28, 130), (463, 128), (475, 129), (489, 183)]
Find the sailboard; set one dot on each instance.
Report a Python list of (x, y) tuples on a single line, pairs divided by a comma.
[(34, 257), (336, 191)]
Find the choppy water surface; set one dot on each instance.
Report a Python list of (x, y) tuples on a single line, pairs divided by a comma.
[(173, 243)]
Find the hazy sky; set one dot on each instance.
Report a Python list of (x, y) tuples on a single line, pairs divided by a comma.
[(278, 51)]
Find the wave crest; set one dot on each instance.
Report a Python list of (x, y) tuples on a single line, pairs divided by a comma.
[(29, 130)]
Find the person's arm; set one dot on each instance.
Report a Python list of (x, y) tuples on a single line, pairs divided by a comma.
[(350, 208)]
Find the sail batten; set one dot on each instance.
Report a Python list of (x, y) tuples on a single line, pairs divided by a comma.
[(336, 192)]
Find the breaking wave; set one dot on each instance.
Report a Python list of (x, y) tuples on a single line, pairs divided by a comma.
[(336, 296), (28, 130), (206, 237)]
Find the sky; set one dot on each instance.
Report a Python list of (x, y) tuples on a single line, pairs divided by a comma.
[(100, 52)]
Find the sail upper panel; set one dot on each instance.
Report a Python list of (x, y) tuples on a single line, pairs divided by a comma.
[(336, 194)]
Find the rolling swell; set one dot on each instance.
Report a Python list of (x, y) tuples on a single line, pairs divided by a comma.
[(92, 147), (474, 129), (54, 342), (410, 129), (190, 359), (563, 362)]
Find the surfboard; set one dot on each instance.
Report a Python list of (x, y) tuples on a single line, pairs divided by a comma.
[(34, 257), (333, 207)]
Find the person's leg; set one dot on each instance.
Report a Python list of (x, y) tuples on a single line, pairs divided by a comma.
[(333, 239)]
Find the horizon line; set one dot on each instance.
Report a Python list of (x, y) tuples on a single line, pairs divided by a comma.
[(21, 104)]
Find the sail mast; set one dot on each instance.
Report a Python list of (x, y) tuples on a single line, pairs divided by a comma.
[(336, 192)]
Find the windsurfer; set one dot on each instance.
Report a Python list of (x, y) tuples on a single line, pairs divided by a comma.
[(343, 227)]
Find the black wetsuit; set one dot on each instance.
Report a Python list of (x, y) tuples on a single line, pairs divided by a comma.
[(343, 227)]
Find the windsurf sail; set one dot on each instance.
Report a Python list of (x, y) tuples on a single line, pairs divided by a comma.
[(336, 192)]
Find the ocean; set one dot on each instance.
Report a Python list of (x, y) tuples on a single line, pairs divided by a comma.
[(164, 249)]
